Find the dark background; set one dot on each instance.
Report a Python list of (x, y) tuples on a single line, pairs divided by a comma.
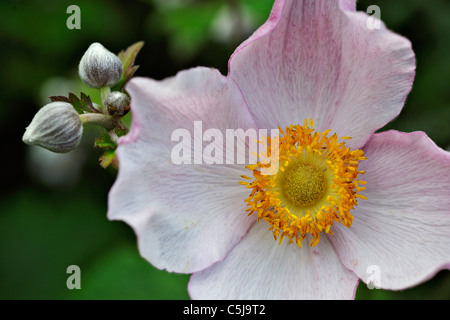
[(53, 207)]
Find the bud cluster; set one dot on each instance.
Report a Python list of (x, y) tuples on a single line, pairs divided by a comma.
[(58, 126)]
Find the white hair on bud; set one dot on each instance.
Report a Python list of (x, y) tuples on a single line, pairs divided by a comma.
[(99, 67), (56, 127)]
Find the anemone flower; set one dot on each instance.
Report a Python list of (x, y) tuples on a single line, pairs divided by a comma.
[(337, 210)]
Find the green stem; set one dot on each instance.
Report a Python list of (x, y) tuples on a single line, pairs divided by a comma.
[(105, 121), (112, 134), (104, 92)]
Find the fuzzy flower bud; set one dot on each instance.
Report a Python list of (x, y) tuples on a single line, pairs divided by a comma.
[(99, 67), (117, 103), (56, 127)]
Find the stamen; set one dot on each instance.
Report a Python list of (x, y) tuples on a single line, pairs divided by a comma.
[(315, 186)]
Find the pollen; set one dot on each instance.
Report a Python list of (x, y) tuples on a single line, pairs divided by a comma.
[(304, 184), (315, 186)]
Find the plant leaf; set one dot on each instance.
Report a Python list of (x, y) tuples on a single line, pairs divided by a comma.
[(81, 105), (105, 142), (128, 57), (121, 132), (109, 158), (73, 99), (59, 99), (87, 105), (109, 155)]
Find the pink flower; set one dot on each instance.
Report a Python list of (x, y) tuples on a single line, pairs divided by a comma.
[(311, 60)]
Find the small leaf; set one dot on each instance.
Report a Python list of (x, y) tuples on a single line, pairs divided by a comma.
[(75, 102), (109, 158), (59, 99), (129, 55), (87, 105), (105, 142), (81, 105), (130, 72), (127, 58), (121, 132), (73, 98)]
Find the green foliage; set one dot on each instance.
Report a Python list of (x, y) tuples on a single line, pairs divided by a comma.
[(127, 57), (105, 142), (81, 105), (187, 25), (190, 25), (42, 233)]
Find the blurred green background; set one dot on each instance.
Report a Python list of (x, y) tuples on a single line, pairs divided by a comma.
[(53, 207)]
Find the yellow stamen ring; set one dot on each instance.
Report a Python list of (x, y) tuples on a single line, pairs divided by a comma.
[(314, 187)]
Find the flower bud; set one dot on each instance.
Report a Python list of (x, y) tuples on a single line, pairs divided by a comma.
[(56, 127), (99, 67), (117, 103)]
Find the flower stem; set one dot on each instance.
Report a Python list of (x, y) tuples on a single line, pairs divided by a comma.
[(104, 92), (105, 121), (113, 135)]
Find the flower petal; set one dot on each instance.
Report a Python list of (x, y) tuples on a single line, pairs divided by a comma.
[(403, 229), (186, 216), (319, 60), (259, 268)]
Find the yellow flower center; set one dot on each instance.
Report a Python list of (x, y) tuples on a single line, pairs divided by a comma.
[(304, 184), (315, 184)]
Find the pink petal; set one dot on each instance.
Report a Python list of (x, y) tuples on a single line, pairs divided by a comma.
[(259, 268), (319, 60), (185, 216), (404, 227)]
